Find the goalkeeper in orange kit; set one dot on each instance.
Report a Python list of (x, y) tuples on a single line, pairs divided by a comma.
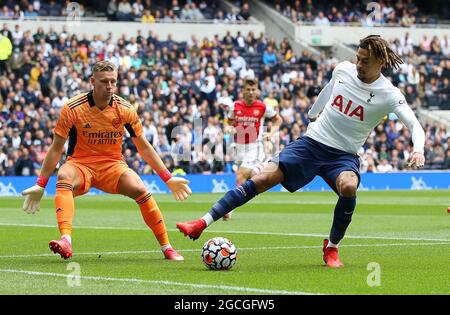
[(95, 122)]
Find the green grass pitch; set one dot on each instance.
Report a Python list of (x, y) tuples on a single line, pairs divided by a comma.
[(398, 243)]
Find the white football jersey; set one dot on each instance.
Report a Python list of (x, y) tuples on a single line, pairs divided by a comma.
[(352, 109)]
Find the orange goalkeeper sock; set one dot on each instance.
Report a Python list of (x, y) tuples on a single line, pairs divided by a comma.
[(64, 205), (153, 217)]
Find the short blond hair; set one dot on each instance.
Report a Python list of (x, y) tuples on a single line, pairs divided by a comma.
[(103, 65)]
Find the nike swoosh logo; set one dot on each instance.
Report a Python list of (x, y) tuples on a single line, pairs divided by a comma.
[(341, 81), (348, 212)]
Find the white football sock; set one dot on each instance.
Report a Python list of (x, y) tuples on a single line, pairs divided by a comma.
[(164, 247), (67, 237), (208, 219), (332, 245)]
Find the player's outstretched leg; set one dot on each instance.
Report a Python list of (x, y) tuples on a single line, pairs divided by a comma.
[(242, 175), (232, 199), (193, 229)]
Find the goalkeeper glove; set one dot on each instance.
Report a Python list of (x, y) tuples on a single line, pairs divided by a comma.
[(34, 194), (178, 186)]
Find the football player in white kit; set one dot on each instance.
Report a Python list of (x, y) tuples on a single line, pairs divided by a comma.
[(354, 101)]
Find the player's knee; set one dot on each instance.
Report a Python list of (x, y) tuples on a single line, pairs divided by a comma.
[(135, 192), (348, 189), (258, 169), (265, 181), (64, 175), (242, 176)]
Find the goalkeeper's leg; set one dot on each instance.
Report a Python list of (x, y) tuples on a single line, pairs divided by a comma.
[(132, 186), (69, 178)]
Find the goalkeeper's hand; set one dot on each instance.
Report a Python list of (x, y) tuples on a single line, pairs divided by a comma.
[(179, 187), (32, 202)]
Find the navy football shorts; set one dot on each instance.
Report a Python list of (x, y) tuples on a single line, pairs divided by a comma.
[(301, 160)]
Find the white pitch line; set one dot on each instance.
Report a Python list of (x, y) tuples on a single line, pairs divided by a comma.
[(159, 282), (324, 235), (314, 202), (238, 232), (78, 227), (240, 249), (307, 202)]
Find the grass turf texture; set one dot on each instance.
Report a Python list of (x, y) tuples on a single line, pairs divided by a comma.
[(278, 236)]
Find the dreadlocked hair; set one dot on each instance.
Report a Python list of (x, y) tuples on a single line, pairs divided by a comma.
[(380, 48)]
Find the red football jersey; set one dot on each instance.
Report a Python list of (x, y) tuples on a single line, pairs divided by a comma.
[(248, 120)]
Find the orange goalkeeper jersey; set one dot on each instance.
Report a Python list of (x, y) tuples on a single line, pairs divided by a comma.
[(96, 134)]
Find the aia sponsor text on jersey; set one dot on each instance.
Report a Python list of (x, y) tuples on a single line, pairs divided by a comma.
[(348, 109)]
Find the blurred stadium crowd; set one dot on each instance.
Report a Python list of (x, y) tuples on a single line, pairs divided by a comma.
[(186, 86), (147, 11), (319, 12), (325, 12)]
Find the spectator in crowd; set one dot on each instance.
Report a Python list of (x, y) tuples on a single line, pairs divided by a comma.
[(111, 10), (137, 9), (236, 61), (445, 46), (30, 13), (24, 165), (147, 17), (270, 58), (232, 15), (321, 20), (244, 14), (5, 53), (124, 11)]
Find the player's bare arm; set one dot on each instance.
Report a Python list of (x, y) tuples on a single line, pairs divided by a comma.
[(229, 128), (273, 135), (277, 121), (53, 156), (178, 186)]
